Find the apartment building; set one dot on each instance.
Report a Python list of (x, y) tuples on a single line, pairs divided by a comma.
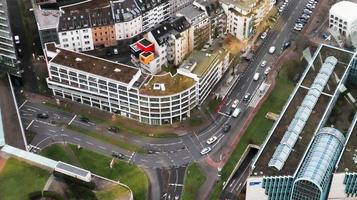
[(74, 31), (176, 5), (343, 18), (8, 56), (216, 15), (103, 28), (153, 12), (244, 16), (200, 23), (128, 19)]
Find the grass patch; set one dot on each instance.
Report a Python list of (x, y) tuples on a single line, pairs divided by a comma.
[(113, 192), (213, 104), (18, 179), (194, 121), (114, 141), (193, 180), (260, 126), (59, 107), (56, 152)]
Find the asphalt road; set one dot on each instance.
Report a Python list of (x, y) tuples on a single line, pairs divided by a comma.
[(170, 152), (237, 182)]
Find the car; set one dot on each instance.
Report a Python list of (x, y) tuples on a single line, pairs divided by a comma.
[(84, 119), (306, 16), (211, 140), (264, 63), (263, 35), (113, 129), (205, 150), (229, 111), (299, 25), (311, 6), (307, 11), (42, 115), (256, 76), (115, 51), (272, 49), (117, 155), (286, 45), (235, 103), (17, 39), (297, 28), (226, 128), (267, 70), (236, 112), (246, 97)]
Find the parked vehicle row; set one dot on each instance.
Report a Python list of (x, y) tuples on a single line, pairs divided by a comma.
[(283, 6), (305, 15)]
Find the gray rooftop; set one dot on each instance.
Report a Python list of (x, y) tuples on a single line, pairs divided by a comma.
[(72, 169)]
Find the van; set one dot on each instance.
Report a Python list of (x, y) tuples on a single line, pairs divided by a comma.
[(236, 112), (256, 76)]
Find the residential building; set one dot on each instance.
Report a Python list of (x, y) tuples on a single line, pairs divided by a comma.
[(103, 28), (216, 14), (128, 19), (244, 16), (200, 23), (176, 5), (47, 23), (8, 58), (74, 31), (305, 155), (153, 12), (343, 19)]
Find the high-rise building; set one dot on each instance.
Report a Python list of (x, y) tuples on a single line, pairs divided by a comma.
[(8, 59)]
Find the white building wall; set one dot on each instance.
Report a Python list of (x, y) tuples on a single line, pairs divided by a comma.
[(255, 190), (77, 40), (127, 30), (337, 189), (155, 16)]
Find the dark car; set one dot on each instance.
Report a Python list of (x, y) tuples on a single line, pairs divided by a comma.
[(246, 97), (229, 111), (84, 119), (113, 129), (42, 115), (286, 45), (117, 155), (226, 128)]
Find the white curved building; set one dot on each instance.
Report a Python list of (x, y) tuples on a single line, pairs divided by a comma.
[(343, 18)]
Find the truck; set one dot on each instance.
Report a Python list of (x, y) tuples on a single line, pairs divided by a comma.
[(256, 76), (236, 112)]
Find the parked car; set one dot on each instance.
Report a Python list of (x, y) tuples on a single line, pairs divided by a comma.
[(42, 115), (226, 128), (256, 76), (272, 49), (286, 45), (264, 63), (206, 150), (84, 119), (264, 35), (246, 97), (211, 140), (267, 70), (236, 112), (117, 155), (17, 39), (229, 111), (235, 103)]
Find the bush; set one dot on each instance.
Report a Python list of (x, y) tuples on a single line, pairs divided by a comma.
[(71, 180), (49, 194), (80, 192)]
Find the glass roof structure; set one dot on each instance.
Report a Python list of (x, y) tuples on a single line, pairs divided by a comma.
[(314, 176), (296, 126)]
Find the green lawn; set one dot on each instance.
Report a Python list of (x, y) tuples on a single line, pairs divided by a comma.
[(260, 126), (129, 174), (111, 193), (195, 121), (213, 104), (193, 180), (56, 152), (18, 179), (105, 138)]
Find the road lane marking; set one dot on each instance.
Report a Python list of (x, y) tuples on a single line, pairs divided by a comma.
[(32, 110), (176, 184), (27, 128), (78, 139), (23, 104), (89, 143), (70, 122), (131, 157), (32, 107), (52, 131), (101, 147)]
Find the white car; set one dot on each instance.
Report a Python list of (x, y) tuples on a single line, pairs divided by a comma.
[(17, 39), (263, 35), (211, 140), (206, 150), (235, 103), (267, 70), (272, 49), (264, 63)]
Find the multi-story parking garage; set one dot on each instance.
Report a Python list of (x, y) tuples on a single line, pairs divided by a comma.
[(126, 90)]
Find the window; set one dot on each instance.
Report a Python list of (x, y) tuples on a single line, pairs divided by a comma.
[(64, 33)]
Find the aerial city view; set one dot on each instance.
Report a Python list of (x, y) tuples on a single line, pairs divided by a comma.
[(178, 99)]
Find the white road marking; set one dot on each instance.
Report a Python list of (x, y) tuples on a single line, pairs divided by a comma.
[(176, 184), (131, 157), (23, 104), (26, 114), (27, 128), (78, 139), (32, 110), (52, 131), (70, 122), (144, 160), (102, 147), (89, 143), (32, 107)]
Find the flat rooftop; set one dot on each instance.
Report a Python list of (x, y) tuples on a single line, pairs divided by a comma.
[(245, 5), (46, 19), (291, 164), (93, 65), (200, 62), (92, 4), (173, 84)]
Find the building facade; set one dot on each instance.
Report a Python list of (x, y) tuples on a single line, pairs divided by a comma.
[(343, 18), (8, 57), (154, 12)]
